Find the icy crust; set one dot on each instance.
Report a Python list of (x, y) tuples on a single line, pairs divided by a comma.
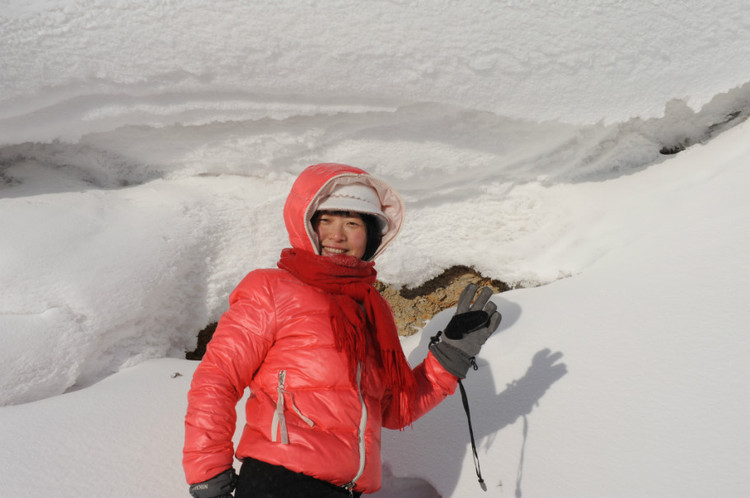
[(580, 61)]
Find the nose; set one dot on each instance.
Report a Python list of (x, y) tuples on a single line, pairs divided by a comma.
[(337, 231)]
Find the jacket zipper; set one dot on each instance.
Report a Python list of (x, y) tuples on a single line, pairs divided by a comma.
[(278, 424), (362, 426), (279, 429)]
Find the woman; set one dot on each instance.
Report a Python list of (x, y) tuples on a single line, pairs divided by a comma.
[(319, 349)]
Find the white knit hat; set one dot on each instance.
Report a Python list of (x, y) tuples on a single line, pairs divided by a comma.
[(357, 198)]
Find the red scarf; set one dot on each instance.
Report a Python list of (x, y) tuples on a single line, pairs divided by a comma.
[(356, 308)]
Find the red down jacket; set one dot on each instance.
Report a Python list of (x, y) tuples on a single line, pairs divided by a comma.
[(303, 411)]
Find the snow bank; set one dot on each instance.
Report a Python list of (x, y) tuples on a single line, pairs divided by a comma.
[(127, 243), (145, 152), (130, 62), (94, 279), (626, 380)]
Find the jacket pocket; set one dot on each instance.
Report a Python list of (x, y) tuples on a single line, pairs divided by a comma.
[(278, 424)]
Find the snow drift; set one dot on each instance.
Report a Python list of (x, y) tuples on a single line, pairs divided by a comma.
[(145, 153)]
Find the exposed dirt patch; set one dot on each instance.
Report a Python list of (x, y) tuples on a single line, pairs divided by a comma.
[(203, 337), (412, 307)]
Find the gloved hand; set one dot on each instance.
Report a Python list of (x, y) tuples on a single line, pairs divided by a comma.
[(219, 486), (467, 331)]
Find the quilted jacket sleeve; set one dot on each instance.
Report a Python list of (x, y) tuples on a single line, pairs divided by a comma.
[(237, 348), (434, 384)]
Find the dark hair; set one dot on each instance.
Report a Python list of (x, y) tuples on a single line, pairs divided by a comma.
[(372, 227), (374, 235)]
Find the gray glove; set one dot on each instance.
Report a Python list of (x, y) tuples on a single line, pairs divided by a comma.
[(467, 331), (219, 486)]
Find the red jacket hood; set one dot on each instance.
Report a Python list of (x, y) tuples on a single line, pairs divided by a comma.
[(315, 183)]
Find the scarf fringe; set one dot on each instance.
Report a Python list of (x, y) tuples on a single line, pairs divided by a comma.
[(350, 284)]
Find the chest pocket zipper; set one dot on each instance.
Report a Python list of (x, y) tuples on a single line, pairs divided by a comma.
[(278, 424)]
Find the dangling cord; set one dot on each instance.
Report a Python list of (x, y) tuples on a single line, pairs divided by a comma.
[(465, 401)]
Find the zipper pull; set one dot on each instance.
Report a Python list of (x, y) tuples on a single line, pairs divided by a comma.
[(349, 487)]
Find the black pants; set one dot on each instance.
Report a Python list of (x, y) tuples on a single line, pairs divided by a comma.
[(263, 480)]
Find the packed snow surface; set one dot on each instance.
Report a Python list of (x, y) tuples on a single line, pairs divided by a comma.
[(592, 154), (582, 61)]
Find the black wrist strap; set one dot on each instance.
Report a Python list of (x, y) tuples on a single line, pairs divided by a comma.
[(465, 401)]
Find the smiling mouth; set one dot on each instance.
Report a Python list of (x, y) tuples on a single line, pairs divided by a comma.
[(334, 250)]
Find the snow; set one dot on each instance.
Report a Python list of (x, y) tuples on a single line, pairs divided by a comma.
[(146, 151)]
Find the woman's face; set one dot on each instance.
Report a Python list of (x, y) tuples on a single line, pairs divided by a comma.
[(340, 232)]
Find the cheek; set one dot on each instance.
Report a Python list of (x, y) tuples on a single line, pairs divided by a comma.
[(359, 238)]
